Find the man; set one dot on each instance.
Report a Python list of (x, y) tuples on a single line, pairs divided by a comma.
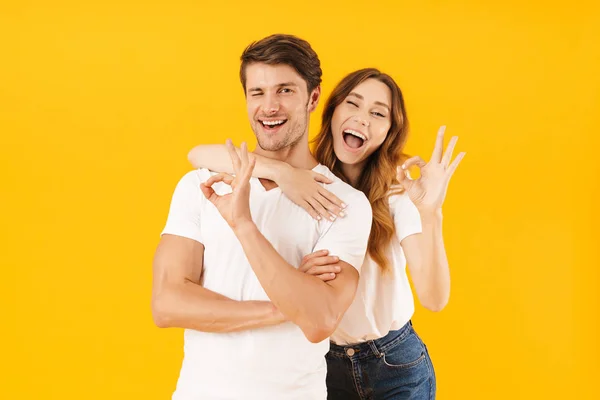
[(226, 266)]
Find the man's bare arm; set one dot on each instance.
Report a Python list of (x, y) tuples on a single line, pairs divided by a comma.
[(315, 306), (178, 299)]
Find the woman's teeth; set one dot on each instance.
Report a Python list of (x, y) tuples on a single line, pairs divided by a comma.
[(355, 133)]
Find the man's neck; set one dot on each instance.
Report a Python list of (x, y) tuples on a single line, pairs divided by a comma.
[(298, 155)]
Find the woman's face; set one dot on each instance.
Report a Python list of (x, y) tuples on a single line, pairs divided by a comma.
[(361, 122)]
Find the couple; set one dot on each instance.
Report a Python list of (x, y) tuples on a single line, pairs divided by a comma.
[(265, 266)]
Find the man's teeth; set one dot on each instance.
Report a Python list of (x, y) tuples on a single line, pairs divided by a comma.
[(272, 123), (357, 134)]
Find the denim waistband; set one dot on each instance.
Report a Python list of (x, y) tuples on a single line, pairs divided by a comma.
[(372, 348)]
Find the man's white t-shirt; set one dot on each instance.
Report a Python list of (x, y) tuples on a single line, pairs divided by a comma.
[(383, 302), (275, 362)]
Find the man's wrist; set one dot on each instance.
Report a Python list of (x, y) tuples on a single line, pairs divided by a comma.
[(244, 228), (276, 315)]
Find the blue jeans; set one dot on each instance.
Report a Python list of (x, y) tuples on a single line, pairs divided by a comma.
[(396, 366)]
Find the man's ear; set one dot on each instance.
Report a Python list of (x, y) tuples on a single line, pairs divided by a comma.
[(313, 101)]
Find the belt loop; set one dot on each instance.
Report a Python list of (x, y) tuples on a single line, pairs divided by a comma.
[(376, 351)]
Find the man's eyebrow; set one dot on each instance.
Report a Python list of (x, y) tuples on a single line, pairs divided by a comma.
[(279, 85), (287, 84)]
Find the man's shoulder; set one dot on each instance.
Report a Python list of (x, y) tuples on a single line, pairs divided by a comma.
[(341, 189), (189, 183), (196, 176)]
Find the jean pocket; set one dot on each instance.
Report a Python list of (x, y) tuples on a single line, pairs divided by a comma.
[(408, 353), (410, 364)]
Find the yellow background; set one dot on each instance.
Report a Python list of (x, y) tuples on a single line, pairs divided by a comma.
[(100, 102)]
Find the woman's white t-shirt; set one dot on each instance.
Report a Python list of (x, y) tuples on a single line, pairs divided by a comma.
[(383, 302)]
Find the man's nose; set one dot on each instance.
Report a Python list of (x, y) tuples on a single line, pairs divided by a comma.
[(270, 105)]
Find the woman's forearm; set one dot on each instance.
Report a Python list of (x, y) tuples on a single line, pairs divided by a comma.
[(429, 263), (216, 158)]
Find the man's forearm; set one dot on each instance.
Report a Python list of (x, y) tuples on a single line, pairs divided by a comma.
[(190, 306), (303, 299)]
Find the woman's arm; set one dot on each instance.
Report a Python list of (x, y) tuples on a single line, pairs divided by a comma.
[(425, 252), (427, 262), (216, 158), (299, 185)]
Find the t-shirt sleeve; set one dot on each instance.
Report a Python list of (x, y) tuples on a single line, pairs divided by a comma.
[(407, 219), (185, 211), (347, 237)]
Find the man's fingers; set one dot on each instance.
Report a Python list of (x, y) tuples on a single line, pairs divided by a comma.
[(244, 154), (235, 159), (220, 177), (249, 169), (207, 191), (247, 164)]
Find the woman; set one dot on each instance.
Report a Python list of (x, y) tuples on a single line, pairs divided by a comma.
[(375, 352)]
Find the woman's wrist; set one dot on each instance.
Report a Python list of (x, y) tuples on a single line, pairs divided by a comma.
[(278, 170)]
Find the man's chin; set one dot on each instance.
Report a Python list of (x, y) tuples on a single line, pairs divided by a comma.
[(271, 145)]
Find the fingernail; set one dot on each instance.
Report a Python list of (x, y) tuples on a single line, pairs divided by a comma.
[(332, 218), (342, 214), (332, 275), (403, 166), (318, 217), (337, 269), (344, 205)]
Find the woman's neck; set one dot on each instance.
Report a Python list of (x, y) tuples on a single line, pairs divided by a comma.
[(353, 172)]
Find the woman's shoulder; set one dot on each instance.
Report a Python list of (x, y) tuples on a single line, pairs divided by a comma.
[(397, 195)]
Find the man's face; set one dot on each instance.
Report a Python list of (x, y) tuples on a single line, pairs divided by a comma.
[(278, 105)]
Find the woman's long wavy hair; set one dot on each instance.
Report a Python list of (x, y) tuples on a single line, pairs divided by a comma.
[(379, 173)]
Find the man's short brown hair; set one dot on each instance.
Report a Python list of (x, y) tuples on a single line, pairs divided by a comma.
[(284, 49)]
